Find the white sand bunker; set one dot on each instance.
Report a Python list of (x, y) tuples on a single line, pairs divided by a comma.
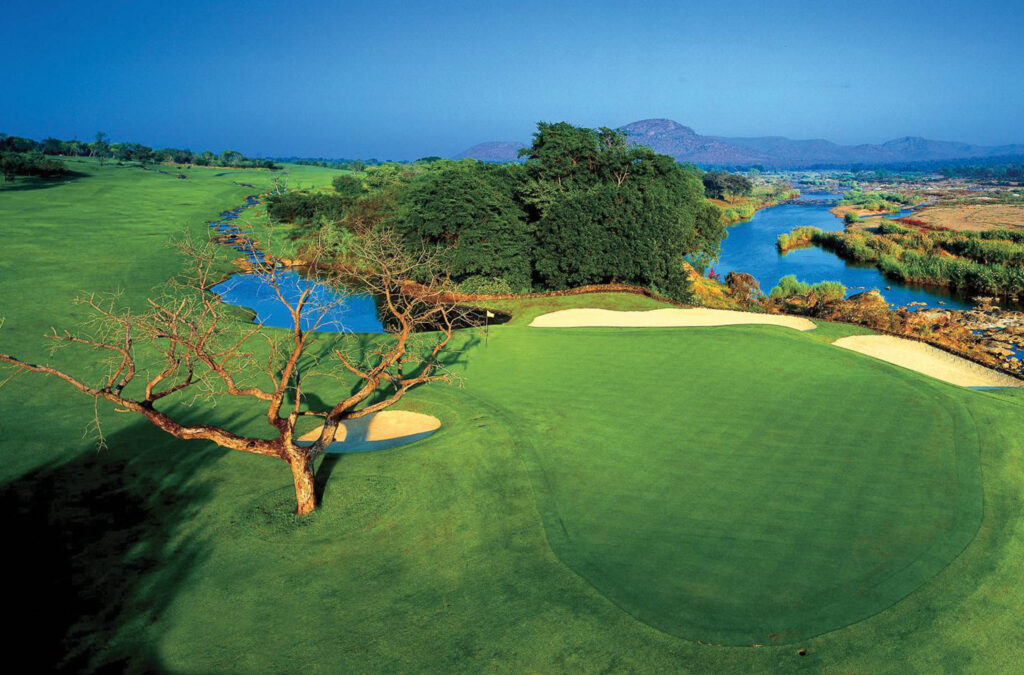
[(379, 431), (927, 360), (699, 316)]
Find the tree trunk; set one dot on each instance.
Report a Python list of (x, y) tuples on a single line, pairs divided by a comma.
[(305, 487)]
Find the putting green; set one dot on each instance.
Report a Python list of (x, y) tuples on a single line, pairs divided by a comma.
[(738, 485)]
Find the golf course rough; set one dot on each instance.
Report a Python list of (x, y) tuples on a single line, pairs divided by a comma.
[(740, 485)]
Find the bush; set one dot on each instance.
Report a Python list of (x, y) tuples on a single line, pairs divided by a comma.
[(744, 287), (800, 236), (307, 207), (789, 287), (828, 291), (481, 285)]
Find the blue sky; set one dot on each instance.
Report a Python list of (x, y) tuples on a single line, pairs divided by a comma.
[(403, 80)]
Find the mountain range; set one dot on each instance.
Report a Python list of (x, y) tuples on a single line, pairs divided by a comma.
[(686, 145)]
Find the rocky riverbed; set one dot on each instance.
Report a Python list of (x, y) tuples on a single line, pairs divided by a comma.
[(999, 332)]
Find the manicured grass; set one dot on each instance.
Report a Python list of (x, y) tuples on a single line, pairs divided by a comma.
[(526, 310), (738, 486), (597, 499)]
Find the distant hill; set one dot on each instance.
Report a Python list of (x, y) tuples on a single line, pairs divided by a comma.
[(494, 151), (686, 145)]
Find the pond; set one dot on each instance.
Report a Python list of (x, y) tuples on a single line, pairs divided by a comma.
[(750, 248)]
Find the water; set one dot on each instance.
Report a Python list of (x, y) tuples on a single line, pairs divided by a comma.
[(325, 311), (750, 247), (902, 213)]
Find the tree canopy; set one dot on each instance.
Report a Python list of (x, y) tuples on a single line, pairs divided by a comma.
[(102, 149), (719, 184), (583, 208)]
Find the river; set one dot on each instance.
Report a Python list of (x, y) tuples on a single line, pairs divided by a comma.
[(324, 311), (750, 247)]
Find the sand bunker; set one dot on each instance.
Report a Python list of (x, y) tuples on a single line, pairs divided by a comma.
[(576, 318), (379, 431), (927, 360)]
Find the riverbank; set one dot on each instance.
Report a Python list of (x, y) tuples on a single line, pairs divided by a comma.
[(741, 209), (752, 248)]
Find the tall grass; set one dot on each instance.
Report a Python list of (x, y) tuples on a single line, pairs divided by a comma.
[(800, 236), (970, 262)]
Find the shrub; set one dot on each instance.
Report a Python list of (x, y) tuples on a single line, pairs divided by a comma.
[(800, 236), (481, 285), (789, 287), (744, 287), (828, 291)]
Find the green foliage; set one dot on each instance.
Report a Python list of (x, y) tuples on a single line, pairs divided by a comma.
[(877, 201), (989, 262), (297, 206), (850, 219), (719, 184), (608, 212), (481, 285), (800, 236), (739, 212), (828, 291), (470, 207), (584, 208), (32, 163), (102, 149), (789, 287), (348, 187)]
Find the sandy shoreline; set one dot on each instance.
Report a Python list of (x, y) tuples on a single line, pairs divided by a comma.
[(664, 318), (927, 360)]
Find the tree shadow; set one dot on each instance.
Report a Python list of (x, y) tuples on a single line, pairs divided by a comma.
[(328, 463), (38, 183), (97, 550)]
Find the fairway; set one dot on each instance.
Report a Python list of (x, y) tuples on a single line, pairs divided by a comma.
[(726, 486)]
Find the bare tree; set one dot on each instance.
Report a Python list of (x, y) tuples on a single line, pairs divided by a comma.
[(203, 352)]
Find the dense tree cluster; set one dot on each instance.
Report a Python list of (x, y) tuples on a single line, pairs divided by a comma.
[(102, 149), (344, 164), (29, 164), (720, 184), (584, 208), (1009, 172)]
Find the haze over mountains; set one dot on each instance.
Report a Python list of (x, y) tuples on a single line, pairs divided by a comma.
[(686, 145)]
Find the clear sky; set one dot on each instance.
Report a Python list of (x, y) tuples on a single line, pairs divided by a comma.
[(402, 80)]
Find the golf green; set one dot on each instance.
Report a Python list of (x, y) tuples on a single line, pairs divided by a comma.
[(727, 485)]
